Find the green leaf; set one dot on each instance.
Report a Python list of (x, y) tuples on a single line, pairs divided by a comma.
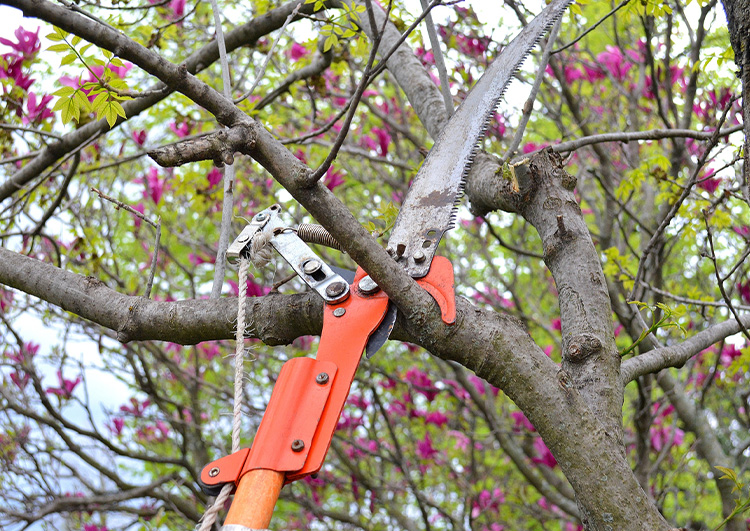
[(76, 39), (68, 59), (64, 91), (64, 47)]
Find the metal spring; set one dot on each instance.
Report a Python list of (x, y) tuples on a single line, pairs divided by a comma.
[(310, 233)]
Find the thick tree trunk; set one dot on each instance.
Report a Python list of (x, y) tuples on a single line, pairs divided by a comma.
[(738, 20)]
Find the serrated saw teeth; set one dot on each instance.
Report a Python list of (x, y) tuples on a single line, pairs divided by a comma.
[(433, 198)]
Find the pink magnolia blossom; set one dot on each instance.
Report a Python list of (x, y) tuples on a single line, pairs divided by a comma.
[(139, 137), (425, 450), (487, 501), (729, 353), (214, 177), (461, 440), (422, 383), (178, 8), (154, 186), (709, 183), (383, 139), (744, 290), (521, 423), (20, 380), (66, 386), (614, 61), (543, 455), (181, 130), (13, 69), (297, 51), (196, 259), (25, 354), (479, 385), (556, 324), (136, 408), (437, 418), (117, 425), (743, 231), (333, 179), (209, 350), (662, 435), (6, 299), (28, 43), (37, 111)]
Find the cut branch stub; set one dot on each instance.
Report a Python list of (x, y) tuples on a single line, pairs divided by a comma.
[(219, 146)]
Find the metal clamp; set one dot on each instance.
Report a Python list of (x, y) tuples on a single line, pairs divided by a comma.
[(310, 268)]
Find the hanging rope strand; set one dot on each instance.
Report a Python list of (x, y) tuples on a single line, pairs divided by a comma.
[(239, 358)]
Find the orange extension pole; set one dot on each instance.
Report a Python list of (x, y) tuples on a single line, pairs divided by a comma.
[(255, 499)]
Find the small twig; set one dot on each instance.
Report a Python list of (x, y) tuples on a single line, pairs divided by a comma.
[(30, 130), (262, 71), (593, 27), (157, 225), (437, 53), (720, 282), (529, 105), (364, 82), (283, 281)]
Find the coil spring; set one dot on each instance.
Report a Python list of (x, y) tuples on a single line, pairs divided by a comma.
[(310, 233)]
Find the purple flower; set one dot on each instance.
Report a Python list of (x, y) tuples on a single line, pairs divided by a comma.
[(708, 183), (383, 139), (20, 380), (743, 231), (28, 42), (487, 501), (117, 425), (333, 178)]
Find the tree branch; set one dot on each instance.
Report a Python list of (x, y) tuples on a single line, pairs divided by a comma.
[(676, 355)]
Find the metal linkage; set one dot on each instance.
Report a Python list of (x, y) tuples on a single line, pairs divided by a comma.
[(308, 265)]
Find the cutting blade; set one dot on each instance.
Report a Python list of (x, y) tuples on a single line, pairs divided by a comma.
[(429, 208)]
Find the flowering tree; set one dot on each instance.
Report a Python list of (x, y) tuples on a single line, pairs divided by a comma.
[(597, 375)]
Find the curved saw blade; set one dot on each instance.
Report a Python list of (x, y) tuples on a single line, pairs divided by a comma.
[(429, 208)]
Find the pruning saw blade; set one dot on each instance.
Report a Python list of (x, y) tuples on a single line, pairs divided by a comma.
[(430, 206)]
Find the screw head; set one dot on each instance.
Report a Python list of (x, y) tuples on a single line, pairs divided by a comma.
[(367, 285), (243, 238), (261, 216), (335, 289), (311, 266), (338, 312), (214, 472), (298, 445), (419, 256), (322, 378)]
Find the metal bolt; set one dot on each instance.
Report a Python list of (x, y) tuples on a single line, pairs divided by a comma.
[(298, 445), (261, 216), (368, 286), (335, 289), (391, 251), (243, 238), (311, 266), (322, 378), (338, 312), (419, 257), (214, 472)]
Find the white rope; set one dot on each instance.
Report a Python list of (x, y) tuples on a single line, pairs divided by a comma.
[(261, 251), (239, 357)]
